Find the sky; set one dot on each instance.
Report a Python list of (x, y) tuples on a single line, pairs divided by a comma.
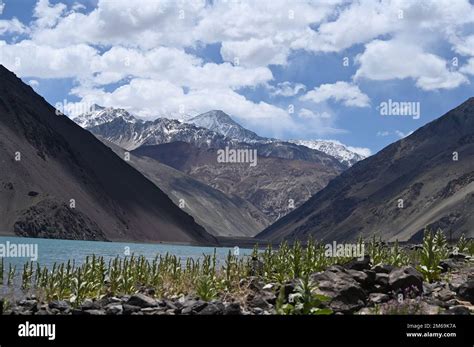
[(286, 69)]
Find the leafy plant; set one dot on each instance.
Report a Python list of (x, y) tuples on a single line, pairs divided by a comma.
[(304, 301)]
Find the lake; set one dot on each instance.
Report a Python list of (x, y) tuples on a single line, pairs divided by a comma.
[(50, 251)]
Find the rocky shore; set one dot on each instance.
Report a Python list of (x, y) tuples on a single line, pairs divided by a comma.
[(355, 288)]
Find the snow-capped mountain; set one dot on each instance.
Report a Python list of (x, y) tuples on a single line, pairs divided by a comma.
[(122, 128), (213, 129), (345, 154), (99, 115), (222, 123)]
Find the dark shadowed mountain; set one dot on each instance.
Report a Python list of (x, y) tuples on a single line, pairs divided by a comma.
[(59, 181), (412, 183), (275, 185), (221, 214)]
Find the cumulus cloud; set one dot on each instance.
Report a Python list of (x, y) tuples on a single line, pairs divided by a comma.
[(347, 93), (399, 59)]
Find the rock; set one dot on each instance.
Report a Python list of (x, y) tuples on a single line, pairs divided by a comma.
[(447, 264), (129, 309), (406, 278), (381, 279), (458, 256), (257, 300), (141, 300), (94, 312), (30, 305), (365, 278), (466, 291), (88, 304), (359, 264), (213, 308), (457, 310), (232, 309), (444, 294), (345, 292), (114, 309), (193, 306), (383, 268), (148, 311), (60, 305), (378, 298), (268, 286)]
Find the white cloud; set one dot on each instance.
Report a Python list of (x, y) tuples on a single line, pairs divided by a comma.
[(48, 15), (2, 6), (33, 83), (308, 114), (26, 58), (254, 52), (286, 89), (12, 26), (468, 68), (399, 59), (363, 151), (347, 93), (383, 133)]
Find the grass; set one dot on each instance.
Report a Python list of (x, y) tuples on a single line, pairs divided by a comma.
[(169, 276)]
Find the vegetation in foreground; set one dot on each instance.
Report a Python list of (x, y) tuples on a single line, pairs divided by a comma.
[(167, 276)]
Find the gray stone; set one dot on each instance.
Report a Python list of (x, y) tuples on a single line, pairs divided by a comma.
[(378, 298), (141, 300), (114, 309), (406, 278), (60, 305), (466, 291)]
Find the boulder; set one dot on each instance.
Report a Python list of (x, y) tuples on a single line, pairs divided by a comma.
[(466, 291), (406, 278), (358, 264), (141, 300)]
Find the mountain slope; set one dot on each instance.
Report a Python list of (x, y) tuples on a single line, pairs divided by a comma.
[(436, 190), (67, 184), (220, 214), (269, 185)]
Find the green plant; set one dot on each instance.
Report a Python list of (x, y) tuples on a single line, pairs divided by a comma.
[(205, 288), (303, 301), (430, 257)]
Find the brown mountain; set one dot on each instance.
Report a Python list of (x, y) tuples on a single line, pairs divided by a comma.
[(62, 165), (270, 185), (221, 214), (435, 190)]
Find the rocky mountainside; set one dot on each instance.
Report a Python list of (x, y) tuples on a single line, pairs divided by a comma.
[(220, 214), (333, 148), (59, 181), (425, 179), (275, 185)]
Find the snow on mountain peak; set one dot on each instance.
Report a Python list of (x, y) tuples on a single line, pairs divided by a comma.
[(99, 115), (222, 123), (345, 154)]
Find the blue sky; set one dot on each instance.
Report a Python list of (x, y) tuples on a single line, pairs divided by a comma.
[(278, 67)]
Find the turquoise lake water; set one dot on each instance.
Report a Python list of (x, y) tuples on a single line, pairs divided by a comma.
[(50, 251)]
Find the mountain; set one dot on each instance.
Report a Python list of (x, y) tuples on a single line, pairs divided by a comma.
[(269, 185), (334, 148), (219, 213), (99, 115), (213, 129), (410, 184), (59, 181), (223, 124)]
